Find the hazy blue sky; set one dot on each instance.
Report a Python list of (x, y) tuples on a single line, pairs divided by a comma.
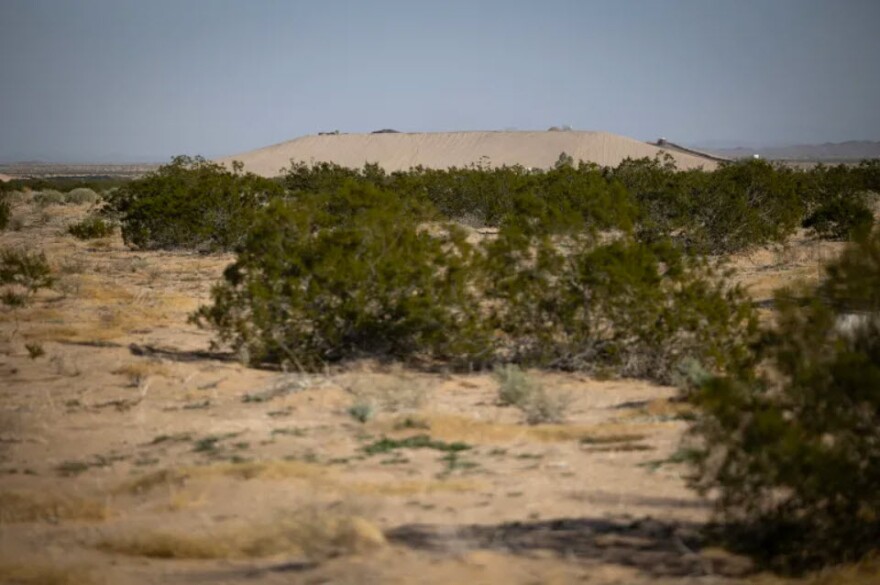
[(124, 80)]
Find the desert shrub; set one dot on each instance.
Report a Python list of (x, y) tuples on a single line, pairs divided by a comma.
[(868, 172), (736, 207), (621, 307), (841, 218), (519, 389), (546, 407), (64, 183), (322, 177), (5, 212), (480, 194), (791, 443), (80, 196), (189, 203), (659, 192), (23, 273), (325, 277), (310, 287), (742, 205), (91, 228), (837, 200), (515, 387), (361, 411), (48, 197)]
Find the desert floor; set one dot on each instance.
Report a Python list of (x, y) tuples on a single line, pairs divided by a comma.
[(131, 452)]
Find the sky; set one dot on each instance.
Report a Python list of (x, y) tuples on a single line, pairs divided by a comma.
[(141, 81)]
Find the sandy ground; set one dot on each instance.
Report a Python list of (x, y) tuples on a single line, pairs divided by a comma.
[(131, 452), (439, 150), (4, 178)]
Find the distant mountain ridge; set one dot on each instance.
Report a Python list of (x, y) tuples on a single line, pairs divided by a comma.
[(851, 150)]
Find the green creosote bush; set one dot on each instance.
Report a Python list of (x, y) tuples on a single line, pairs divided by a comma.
[(841, 218), (321, 278), (81, 196), (22, 274), (5, 212), (480, 194), (324, 278), (189, 203), (791, 442), (631, 308), (91, 228), (738, 206)]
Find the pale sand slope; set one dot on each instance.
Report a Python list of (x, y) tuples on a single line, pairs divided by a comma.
[(439, 150), (4, 178)]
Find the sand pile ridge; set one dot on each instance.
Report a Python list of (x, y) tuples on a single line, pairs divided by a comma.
[(440, 150)]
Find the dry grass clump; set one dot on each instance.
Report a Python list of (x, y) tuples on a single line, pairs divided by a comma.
[(138, 372), (517, 388), (29, 507), (35, 574), (395, 392), (81, 195), (315, 534), (48, 197)]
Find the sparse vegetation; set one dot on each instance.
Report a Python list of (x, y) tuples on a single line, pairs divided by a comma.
[(386, 445), (5, 212), (81, 196), (29, 507), (22, 274), (313, 534), (48, 197), (91, 228), (607, 272)]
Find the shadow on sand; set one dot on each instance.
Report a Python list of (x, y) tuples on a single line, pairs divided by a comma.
[(653, 547)]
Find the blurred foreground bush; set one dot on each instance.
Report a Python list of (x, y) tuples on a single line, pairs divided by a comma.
[(792, 443)]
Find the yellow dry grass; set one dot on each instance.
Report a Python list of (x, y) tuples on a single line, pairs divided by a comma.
[(31, 507), (33, 573), (314, 534), (96, 289), (449, 427), (283, 470), (273, 469), (98, 320), (142, 369)]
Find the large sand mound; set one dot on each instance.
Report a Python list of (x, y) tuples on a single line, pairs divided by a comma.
[(4, 178), (440, 150)]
